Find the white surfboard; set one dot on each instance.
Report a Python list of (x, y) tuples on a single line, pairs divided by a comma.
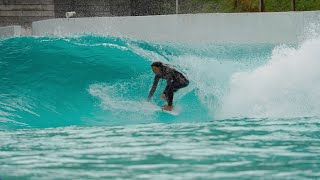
[(155, 108), (173, 112)]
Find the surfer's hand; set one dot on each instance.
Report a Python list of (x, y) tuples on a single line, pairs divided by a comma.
[(163, 96)]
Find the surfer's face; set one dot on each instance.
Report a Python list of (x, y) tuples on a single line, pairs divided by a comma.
[(156, 69)]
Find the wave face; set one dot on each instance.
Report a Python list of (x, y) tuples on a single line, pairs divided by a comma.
[(89, 81)]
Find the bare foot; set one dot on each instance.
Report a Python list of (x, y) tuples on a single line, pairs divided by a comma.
[(167, 107)]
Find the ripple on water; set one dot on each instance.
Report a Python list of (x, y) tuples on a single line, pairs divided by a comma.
[(240, 148)]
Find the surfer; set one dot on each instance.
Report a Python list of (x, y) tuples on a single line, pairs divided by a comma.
[(175, 81)]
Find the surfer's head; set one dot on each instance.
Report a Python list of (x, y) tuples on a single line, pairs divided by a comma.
[(157, 67)]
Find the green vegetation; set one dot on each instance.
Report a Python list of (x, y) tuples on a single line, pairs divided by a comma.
[(210, 6)]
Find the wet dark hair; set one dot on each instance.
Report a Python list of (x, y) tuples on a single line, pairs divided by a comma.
[(157, 64)]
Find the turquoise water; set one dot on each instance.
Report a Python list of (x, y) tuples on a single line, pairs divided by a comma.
[(75, 108)]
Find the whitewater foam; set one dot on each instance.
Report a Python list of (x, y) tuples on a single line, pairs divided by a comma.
[(109, 101), (287, 86)]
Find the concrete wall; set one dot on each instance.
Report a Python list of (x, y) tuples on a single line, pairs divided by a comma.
[(102, 8), (152, 7), (10, 31), (285, 27), (24, 12), (93, 8)]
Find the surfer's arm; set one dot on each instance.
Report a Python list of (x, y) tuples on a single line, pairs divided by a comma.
[(154, 87)]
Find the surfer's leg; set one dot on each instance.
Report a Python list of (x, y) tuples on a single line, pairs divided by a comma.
[(170, 96), (164, 94), (177, 86), (168, 92), (171, 88), (174, 87)]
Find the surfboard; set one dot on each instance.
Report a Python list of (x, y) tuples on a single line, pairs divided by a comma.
[(173, 112)]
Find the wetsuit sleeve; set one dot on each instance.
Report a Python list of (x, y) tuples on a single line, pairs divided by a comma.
[(154, 87)]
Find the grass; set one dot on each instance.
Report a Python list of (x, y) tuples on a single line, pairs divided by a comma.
[(211, 6)]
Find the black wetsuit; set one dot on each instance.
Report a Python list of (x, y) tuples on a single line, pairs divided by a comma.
[(175, 81)]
